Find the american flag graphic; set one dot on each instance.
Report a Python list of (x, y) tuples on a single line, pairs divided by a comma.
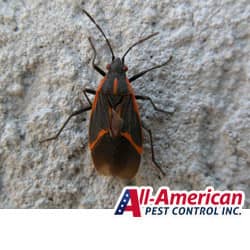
[(123, 203)]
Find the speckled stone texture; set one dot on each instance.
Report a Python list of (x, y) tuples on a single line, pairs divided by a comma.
[(45, 62)]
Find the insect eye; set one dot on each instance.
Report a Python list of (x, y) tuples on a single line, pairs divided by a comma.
[(125, 68), (108, 66)]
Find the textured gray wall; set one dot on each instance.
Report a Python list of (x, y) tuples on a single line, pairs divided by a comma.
[(45, 63)]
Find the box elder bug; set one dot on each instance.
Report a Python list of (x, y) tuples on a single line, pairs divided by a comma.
[(115, 128)]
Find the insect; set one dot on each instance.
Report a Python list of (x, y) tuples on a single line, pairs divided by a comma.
[(115, 128)]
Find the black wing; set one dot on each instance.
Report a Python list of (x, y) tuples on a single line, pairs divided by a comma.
[(101, 111)]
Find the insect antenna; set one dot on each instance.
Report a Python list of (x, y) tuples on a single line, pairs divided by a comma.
[(100, 29), (138, 42)]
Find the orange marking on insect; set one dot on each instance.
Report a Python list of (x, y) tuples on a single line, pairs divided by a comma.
[(115, 86), (130, 139), (99, 136), (101, 83), (97, 93)]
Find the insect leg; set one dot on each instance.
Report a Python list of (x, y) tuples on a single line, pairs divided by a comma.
[(136, 76), (147, 98), (152, 150), (89, 91), (66, 122), (97, 68)]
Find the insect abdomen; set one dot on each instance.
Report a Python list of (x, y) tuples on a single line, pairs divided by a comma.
[(116, 157)]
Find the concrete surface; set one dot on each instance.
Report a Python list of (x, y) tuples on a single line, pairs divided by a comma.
[(45, 62)]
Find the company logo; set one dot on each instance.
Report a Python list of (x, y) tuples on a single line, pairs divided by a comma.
[(140, 201)]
